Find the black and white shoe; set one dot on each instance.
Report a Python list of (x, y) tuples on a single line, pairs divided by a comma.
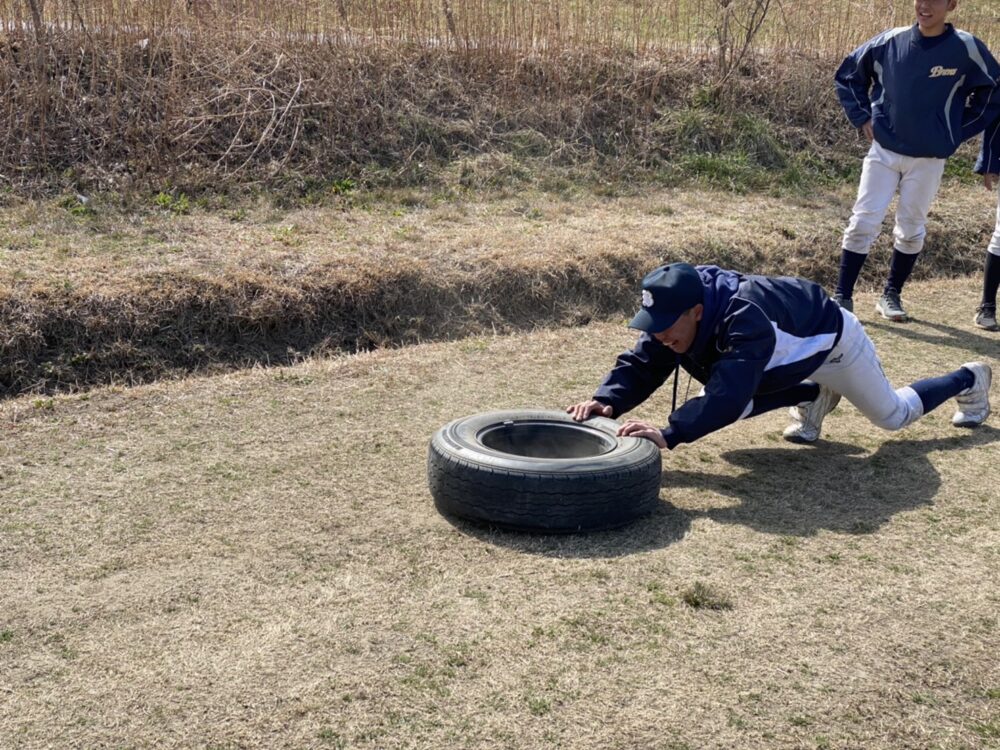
[(974, 402), (891, 306), (986, 318)]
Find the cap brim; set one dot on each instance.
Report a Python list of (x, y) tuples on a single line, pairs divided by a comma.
[(645, 320)]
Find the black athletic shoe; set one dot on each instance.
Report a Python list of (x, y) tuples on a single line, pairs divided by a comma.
[(846, 303), (986, 318)]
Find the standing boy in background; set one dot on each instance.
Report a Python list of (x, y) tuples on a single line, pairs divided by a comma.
[(989, 166), (915, 93)]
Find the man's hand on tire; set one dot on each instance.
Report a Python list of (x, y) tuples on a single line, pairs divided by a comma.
[(640, 429), (586, 409)]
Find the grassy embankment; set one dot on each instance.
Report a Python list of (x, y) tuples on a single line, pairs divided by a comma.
[(189, 191)]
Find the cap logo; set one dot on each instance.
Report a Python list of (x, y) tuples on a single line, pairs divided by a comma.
[(647, 298)]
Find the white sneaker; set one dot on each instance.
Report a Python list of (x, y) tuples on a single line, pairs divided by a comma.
[(974, 402), (890, 306), (809, 417)]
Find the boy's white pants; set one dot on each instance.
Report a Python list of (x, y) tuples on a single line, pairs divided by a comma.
[(853, 370), (994, 246), (883, 172)]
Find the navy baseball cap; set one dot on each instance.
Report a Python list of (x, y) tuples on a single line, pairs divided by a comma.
[(667, 292)]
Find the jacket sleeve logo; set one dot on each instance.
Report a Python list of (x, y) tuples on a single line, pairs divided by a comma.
[(647, 298)]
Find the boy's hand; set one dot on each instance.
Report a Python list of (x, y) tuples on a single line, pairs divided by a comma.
[(990, 180), (640, 429), (585, 409), (867, 131)]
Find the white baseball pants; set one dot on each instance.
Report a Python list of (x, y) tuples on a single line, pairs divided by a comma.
[(853, 369), (994, 246), (883, 172)]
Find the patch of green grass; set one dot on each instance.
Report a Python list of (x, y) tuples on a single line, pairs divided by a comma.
[(6, 636), (703, 596), (330, 738), (960, 168), (658, 596), (988, 730), (587, 630), (291, 377), (426, 677), (288, 235), (738, 152), (175, 204), (538, 706), (78, 206), (729, 171), (475, 594)]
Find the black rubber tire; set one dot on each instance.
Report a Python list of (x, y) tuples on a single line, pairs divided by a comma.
[(504, 482)]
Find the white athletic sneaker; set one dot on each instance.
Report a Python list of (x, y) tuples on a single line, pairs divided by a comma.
[(974, 402), (809, 417), (890, 306)]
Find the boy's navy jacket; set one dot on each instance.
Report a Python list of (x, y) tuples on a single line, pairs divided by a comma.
[(757, 334), (924, 95)]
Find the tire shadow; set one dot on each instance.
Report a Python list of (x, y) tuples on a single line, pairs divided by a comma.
[(832, 486), (790, 491), (666, 525)]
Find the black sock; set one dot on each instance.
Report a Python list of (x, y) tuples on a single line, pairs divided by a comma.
[(850, 269), (991, 279), (935, 391), (900, 268)]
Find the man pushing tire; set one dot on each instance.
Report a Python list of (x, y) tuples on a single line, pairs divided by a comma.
[(759, 343)]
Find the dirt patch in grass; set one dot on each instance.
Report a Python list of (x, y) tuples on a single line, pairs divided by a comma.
[(253, 560), (128, 296)]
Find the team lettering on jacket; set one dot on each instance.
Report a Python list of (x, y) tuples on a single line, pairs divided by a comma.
[(937, 71)]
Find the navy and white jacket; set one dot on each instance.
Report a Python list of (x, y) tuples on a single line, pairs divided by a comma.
[(924, 95), (758, 334)]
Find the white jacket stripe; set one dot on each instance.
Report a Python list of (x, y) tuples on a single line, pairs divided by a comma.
[(789, 348)]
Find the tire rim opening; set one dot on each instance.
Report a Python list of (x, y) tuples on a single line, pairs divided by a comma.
[(547, 440)]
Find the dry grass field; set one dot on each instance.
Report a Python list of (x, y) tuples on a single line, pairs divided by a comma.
[(252, 560), (215, 528)]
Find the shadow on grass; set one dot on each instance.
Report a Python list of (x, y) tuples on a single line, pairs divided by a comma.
[(983, 343), (789, 491), (661, 528), (832, 486)]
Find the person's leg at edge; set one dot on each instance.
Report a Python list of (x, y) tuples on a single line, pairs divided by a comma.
[(986, 314), (879, 180), (917, 189)]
